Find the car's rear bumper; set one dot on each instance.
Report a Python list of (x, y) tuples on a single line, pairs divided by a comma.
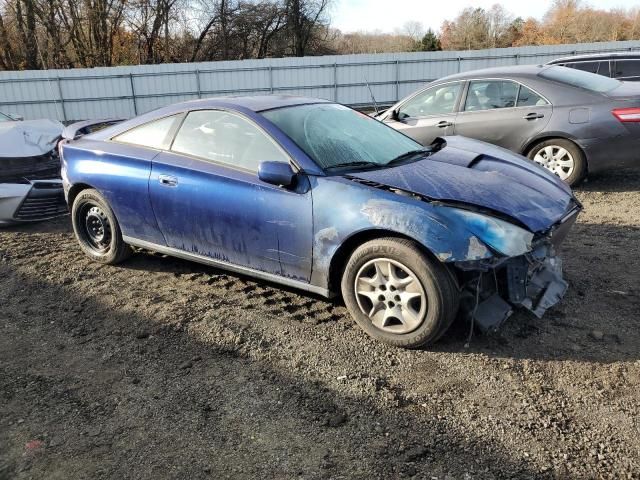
[(31, 201), (606, 154)]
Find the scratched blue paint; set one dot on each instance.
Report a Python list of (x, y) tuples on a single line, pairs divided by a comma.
[(476, 173), (230, 215)]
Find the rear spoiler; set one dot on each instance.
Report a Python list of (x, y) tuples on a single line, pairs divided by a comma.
[(79, 129)]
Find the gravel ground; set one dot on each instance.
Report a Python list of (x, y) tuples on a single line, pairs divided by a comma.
[(161, 368)]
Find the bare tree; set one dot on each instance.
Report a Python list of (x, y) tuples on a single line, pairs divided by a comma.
[(303, 18), (413, 29)]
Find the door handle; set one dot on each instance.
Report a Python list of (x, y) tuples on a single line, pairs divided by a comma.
[(533, 116), (168, 180), (443, 124)]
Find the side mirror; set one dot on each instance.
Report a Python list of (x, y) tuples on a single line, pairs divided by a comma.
[(401, 116), (277, 173), (17, 118)]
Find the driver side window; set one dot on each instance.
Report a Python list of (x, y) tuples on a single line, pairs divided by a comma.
[(436, 100), (224, 137)]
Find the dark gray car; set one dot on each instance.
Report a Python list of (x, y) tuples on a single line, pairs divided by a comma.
[(621, 65), (569, 121)]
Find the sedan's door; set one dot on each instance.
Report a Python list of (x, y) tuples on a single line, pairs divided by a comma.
[(502, 112), (429, 114), (208, 199)]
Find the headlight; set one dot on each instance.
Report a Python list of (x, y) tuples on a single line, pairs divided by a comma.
[(501, 236)]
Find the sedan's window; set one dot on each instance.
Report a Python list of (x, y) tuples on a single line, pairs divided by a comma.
[(627, 68), (491, 94), (433, 101), (578, 78), (153, 134), (529, 98), (335, 136), (591, 67), (4, 118), (224, 137)]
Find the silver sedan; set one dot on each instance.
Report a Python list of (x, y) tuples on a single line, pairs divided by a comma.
[(569, 121)]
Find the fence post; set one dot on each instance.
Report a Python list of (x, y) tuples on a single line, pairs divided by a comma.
[(270, 79), (459, 64), (335, 81), (197, 73), (517, 59), (64, 111), (397, 80), (133, 95)]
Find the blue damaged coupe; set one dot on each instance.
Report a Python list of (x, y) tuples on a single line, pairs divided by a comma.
[(314, 195)]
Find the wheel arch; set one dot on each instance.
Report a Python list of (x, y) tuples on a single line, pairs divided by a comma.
[(350, 244), (75, 189), (550, 136)]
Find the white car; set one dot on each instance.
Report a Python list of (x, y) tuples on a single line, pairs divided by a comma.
[(30, 183)]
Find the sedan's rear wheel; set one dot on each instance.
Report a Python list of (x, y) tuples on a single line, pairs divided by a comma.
[(97, 229), (561, 157), (397, 294)]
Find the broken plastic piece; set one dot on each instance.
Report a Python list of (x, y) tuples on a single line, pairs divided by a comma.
[(492, 312)]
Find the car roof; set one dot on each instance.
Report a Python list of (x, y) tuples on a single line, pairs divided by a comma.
[(256, 103), (597, 56), (498, 72)]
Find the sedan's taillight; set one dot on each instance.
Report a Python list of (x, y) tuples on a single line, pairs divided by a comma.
[(627, 114), (60, 143)]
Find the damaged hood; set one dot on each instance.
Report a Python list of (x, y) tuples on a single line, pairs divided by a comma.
[(495, 179), (28, 138)]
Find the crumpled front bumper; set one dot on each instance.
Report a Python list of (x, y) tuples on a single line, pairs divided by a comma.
[(533, 281), (31, 201)]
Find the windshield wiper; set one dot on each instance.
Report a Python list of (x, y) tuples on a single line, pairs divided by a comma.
[(359, 163), (409, 155)]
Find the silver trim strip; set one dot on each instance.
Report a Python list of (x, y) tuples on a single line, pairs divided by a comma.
[(270, 277)]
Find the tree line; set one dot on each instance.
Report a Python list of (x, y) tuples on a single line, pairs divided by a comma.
[(38, 34), (566, 21)]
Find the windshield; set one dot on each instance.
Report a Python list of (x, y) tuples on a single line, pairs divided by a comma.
[(335, 136), (579, 78)]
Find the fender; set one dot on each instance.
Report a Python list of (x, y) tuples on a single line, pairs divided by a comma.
[(547, 135), (339, 205)]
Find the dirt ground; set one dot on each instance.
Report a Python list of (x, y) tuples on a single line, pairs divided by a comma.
[(161, 368)]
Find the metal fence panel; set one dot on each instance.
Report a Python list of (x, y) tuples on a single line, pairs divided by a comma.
[(130, 90)]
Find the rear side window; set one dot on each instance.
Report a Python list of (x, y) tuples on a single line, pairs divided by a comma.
[(223, 137), (627, 68), (491, 94), (580, 79), (529, 98), (591, 67), (152, 135)]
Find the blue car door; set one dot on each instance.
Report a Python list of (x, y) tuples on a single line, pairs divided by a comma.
[(208, 200)]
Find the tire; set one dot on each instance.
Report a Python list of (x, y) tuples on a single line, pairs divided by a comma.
[(550, 154), (420, 325), (97, 229)]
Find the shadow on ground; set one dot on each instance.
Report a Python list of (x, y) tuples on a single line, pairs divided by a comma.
[(116, 395)]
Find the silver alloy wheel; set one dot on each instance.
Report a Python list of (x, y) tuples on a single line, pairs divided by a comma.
[(391, 295), (557, 159)]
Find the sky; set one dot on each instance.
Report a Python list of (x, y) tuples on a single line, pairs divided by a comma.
[(387, 15)]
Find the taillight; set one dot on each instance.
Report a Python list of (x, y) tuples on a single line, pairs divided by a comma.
[(60, 143), (627, 114)]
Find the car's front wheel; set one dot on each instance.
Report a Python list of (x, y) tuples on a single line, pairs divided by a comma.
[(97, 229), (397, 294), (561, 157)]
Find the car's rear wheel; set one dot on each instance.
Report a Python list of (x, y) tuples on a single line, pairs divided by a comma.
[(561, 157), (397, 294), (97, 229)]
